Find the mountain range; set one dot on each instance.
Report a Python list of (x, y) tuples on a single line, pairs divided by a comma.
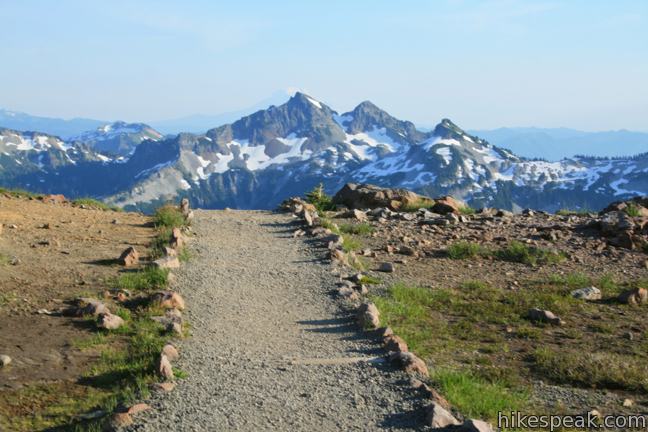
[(284, 150)]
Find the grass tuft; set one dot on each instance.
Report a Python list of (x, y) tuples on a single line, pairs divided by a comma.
[(417, 205), (168, 216), (465, 249), (95, 204), (519, 252), (632, 210), (320, 199), (358, 229), (149, 278)]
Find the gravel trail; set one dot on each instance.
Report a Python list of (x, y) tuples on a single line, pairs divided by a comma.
[(268, 341)]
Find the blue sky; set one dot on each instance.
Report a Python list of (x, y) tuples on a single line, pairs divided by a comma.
[(484, 64)]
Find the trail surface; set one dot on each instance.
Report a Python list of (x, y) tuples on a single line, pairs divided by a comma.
[(269, 348)]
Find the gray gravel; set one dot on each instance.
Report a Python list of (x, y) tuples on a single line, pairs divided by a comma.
[(257, 299)]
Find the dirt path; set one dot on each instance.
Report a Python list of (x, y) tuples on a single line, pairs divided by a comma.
[(257, 299)]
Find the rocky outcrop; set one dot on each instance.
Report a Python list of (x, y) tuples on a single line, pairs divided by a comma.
[(363, 196)]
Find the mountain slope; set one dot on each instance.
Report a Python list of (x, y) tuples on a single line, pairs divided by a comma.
[(118, 138), (260, 159)]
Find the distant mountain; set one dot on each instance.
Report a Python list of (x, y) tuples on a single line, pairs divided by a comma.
[(556, 144), (199, 123), (118, 138), (53, 126), (284, 150)]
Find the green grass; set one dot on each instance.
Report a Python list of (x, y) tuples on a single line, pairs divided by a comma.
[(184, 255), (632, 210), (95, 204), (593, 369), (351, 244), (571, 212), (357, 229), (476, 397), (330, 225), (20, 193), (4, 259), (416, 205), (90, 342), (519, 252), (168, 216), (466, 210), (149, 278), (369, 280), (465, 249)]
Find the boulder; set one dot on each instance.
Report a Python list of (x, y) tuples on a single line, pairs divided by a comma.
[(409, 363), (395, 343), (447, 205), (368, 316), (438, 417), (589, 293), (4, 360), (109, 321), (120, 420), (184, 207), (362, 196), (473, 425), (54, 199), (90, 306), (386, 267), (544, 316), (165, 370), (167, 262), (129, 257), (634, 296), (168, 300)]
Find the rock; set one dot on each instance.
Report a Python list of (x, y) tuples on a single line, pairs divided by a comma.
[(109, 321), (407, 250), (164, 368), (184, 207), (634, 296), (409, 363), (170, 252), (299, 233), (168, 262), (395, 343), (368, 316), (339, 256), (54, 199), (356, 214), (129, 257), (387, 267), (4, 360), (348, 293), (309, 218), (446, 205), (170, 352), (168, 300), (175, 328), (384, 332), (473, 425), (628, 403), (163, 387), (334, 241), (438, 417), (176, 241), (544, 316), (363, 196), (90, 306), (120, 420), (190, 216), (138, 408), (589, 293)]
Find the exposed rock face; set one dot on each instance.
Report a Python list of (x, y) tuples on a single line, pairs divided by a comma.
[(365, 196)]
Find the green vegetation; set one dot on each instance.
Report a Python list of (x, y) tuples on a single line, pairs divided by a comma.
[(416, 205), (329, 224), (4, 259), (632, 210), (351, 244), (20, 193), (476, 397), (358, 229), (369, 280), (320, 199), (168, 216), (522, 253), (467, 210), (593, 369), (465, 249), (149, 278), (95, 204), (573, 212)]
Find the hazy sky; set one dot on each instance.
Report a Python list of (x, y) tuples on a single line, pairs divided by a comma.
[(484, 64)]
